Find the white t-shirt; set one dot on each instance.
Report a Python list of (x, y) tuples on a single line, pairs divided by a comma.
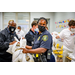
[(20, 33), (68, 42)]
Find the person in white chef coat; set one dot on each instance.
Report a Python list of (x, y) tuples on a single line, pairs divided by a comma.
[(20, 32), (68, 36)]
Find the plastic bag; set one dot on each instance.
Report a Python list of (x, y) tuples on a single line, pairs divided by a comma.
[(71, 56), (12, 48), (18, 56), (9, 49)]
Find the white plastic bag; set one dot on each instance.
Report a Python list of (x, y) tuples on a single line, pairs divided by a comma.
[(11, 48), (22, 43), (16, 39), (71, 56), (18, 56), (15, 56)]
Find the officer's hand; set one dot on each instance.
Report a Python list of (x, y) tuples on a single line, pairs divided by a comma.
[(24, 50), (12, 43)]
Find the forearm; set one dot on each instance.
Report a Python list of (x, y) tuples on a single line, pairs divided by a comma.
[(38, 50), (28, 47)]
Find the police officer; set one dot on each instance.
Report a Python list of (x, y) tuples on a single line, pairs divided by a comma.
[(6, 39), (43, 40), (31, 34)]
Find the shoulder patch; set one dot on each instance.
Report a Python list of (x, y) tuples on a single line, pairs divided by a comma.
[(45, 38)]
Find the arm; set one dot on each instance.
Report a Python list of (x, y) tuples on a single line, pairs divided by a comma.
[(57, 37), (60, 35), (3, 44), (28, 47), (35, 51)]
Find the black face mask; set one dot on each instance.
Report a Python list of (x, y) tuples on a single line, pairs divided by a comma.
[(12, 29), (41, 28)]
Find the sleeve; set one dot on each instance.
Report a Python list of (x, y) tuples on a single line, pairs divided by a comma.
[(46, 42), (3, 44), (26, 36), (29, 37), (61, 34)]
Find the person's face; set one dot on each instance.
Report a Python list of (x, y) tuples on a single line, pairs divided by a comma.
[(19, 29), (72, 27), (12, 24), (12, 27), (35, 26), (42, 23)]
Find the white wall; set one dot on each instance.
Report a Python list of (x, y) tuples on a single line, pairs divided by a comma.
[(59, 16), (43, 14)]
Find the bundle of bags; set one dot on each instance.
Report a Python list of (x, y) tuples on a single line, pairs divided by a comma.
[(17, 54)]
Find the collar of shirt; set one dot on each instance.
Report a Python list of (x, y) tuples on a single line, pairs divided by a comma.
[(32, 31), (42, 33)]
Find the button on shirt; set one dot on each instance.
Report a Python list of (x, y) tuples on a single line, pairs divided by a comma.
[(43, 40)]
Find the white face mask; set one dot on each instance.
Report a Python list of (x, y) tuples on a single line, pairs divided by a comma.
[(36, 29), (18, 30), (73, 30)]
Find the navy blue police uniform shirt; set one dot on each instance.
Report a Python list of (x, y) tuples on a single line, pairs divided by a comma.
[(43, 40), (30, 37)]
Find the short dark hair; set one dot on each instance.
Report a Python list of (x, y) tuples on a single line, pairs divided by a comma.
[(34, 23), (19, 27), (71, 23), (43, 19)]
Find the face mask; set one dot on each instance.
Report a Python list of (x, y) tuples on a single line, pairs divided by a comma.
[(37, 30), (41, 28), (12, 29), (18, 30), (72, 29)]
